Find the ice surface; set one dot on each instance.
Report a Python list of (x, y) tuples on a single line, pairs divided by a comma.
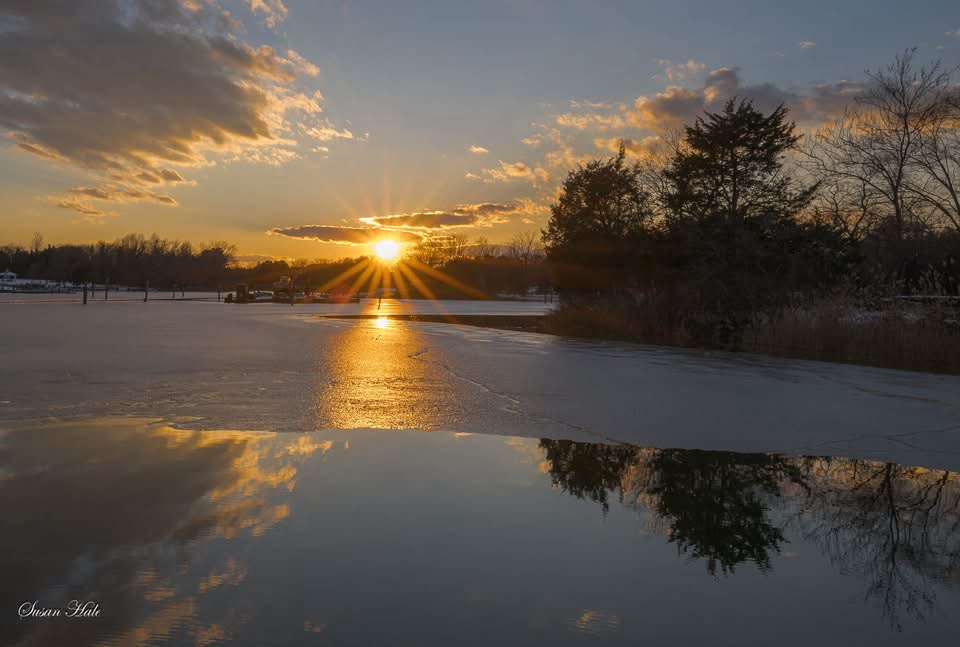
[(281, 368)]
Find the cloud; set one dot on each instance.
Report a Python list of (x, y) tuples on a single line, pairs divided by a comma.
[(485, 214), (479, 150), (302, 64), (344, 235), (674, 105), (825, 101), (79, 206), (512, 171), (675, 72), (647, 124), (592, 105), (160, 176), (645, 147), (807, 44), (416, 226), (326, 132), (126, 90), (590, 120), (274, 11), (112, 193), (681, 105)]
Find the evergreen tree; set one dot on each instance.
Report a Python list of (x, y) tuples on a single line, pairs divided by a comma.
[(731, 167)]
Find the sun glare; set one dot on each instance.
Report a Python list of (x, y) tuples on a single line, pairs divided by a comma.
[(387, 250)]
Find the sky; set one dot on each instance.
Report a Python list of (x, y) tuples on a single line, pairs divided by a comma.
[(308, 129)]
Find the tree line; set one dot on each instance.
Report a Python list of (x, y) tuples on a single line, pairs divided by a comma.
[(135, 260), (740, 215), (132, 260)]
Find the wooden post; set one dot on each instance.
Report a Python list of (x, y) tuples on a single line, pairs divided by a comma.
[(146, 291), (173, 291), (106, 289), (84, 294), (218, 294)]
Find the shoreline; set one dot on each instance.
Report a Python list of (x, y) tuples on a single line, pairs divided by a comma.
[(541, 324)]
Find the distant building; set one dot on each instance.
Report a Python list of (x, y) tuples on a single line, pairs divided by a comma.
[(7, 277)]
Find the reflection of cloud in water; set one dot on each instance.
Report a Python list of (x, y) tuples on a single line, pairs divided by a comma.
[(99, 505), (185, 535)]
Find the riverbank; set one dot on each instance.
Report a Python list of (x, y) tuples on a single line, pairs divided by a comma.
[(911, 337), (898, 340)]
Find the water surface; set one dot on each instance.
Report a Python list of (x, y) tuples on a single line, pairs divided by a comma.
[(389, 537)]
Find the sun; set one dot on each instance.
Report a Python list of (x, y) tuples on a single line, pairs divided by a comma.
[(387, 250)]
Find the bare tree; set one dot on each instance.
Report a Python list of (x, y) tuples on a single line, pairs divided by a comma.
[(482, 248), (435, 250), (876, 144), (525, 247), (454, 246), (36, 243), (938, 160), (848, 204)]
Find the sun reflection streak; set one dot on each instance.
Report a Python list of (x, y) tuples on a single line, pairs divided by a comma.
[(380, 381)]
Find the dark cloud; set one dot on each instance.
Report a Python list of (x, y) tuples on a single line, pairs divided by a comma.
[(345, 235), (79, 206), (485, 214), (79, 197), (166, 175), (124, 89), (680, 105)]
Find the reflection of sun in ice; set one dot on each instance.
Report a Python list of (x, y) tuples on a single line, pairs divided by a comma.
[(387, 250)]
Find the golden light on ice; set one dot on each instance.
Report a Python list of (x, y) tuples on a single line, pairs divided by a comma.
[(387, 250)]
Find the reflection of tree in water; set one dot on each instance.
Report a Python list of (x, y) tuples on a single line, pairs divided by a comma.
[(586, 470), (712, 502), (897, 528), (715, 504)]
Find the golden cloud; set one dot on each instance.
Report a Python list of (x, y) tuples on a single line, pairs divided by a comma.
[(344, 235), (135, 88)]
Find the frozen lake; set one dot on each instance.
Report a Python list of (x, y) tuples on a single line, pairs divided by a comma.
[(143, 453), (282, 368)]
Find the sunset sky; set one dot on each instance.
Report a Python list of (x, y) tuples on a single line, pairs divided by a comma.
[(303, 128)]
